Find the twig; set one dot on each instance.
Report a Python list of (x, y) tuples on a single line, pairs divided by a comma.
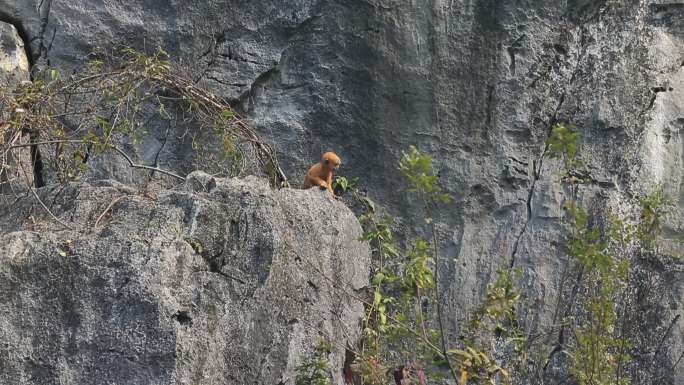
[(445, 343), (183, 86), (117, 149), (89, 78), (40, 201), (334, 284), (169, 83), (58, 141), (33, 191), (142, 166), (12, 142), (109, 207)]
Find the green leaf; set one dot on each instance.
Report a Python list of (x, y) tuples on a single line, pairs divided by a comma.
[(377, 297), (378, 278)]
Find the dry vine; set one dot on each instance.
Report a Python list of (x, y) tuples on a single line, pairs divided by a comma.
[(110, 104)]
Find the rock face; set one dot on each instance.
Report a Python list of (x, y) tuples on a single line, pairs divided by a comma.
[(220, 282), (14, 64), (14, 68), (477, 84)]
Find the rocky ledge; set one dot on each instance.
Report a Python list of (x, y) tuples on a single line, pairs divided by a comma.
[(220, 281)]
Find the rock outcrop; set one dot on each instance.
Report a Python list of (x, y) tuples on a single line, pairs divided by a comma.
[(478, 84), (14, 65), (222, 281), (14, 68)]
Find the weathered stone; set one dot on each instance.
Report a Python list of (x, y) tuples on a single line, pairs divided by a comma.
[(230, 286), (14, 68), (14, 64), (476, 83)]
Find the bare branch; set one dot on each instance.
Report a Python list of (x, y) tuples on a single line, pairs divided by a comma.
[(142, 166), (109, 207), (40, 201), (117, 149)]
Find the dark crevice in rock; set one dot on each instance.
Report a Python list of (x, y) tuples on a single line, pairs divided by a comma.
[(40, 50), (161, 148), (245, 100), (48, 47), (223, 82), (511, 55), (43, 49), (538, 164), (183, 318), (586, 11), (650, 103), (216, 264), (536, 169), (512, 50), (37, 162), (35, 60), (36, 157), (312, 285), (490, 106), (217, 39), (234, 57), (23, 34), (231, 277), (655, 91), (528, 206)]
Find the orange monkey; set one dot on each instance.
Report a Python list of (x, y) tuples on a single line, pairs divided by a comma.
[(321, 173)]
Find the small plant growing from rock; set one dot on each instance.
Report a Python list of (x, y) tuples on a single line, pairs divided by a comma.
[(404, 333), (316, 369), (599, 349)]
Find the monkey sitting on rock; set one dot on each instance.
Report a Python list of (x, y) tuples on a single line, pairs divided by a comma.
[(321, 173)]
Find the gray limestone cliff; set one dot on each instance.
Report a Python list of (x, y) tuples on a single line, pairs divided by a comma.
[(477, 84)]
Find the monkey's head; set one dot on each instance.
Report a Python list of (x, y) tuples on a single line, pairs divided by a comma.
[(331, 161)]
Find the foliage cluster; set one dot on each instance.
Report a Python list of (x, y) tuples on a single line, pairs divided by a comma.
[(403, 326), (316, 370), (404, 331), (600, 349), (111, 103)]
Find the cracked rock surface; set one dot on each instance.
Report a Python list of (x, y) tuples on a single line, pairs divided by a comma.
[(477, 84), (14, 64), (14, 68), (223, 281)]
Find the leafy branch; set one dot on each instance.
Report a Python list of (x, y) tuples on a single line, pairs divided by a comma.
[(114, 99)]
